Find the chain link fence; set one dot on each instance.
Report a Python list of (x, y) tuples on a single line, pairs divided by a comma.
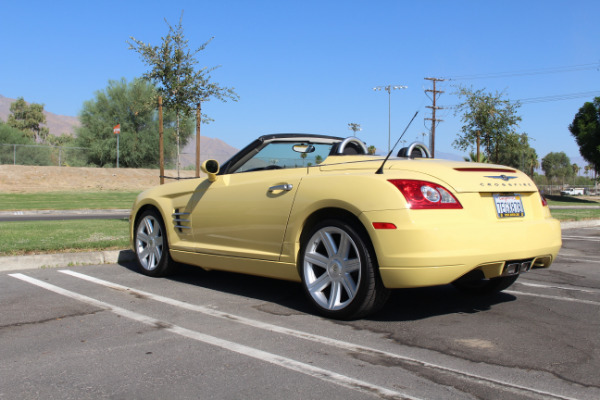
[(29, 154), (580, 190), (63, 156)]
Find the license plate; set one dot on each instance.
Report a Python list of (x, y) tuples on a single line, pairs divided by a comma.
[(509, 205)]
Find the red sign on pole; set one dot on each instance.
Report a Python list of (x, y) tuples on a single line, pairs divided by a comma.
[(117, 129)]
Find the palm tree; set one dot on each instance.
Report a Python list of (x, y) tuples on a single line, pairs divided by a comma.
[(354, 128), (532, 162), (473, 158)]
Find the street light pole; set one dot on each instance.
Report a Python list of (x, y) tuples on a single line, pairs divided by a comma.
[(389, 89)]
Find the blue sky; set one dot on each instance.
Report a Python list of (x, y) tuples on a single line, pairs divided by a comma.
[(310, 66)]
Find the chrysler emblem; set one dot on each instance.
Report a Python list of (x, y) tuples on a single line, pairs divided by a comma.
[(503, 177)]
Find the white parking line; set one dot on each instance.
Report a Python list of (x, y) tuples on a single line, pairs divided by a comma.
[(288, 363), (585, 238), (571, 288), (567, 258), (488, 380), (547, 296)]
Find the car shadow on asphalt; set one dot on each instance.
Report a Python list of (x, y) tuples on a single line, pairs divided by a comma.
[(287, 298), (422, 303)]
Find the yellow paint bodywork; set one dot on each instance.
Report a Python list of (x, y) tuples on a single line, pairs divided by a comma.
[(237, 224)]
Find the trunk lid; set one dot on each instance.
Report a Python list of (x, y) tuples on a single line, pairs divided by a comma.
[(469, 177), (463, 177)]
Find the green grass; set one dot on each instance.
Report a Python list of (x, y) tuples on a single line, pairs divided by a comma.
[(571, 201), (575, 214), (66, 200), (32, 237)]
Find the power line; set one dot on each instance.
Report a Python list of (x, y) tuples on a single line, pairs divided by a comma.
[(559, 97), (537, 71), (545, 99)]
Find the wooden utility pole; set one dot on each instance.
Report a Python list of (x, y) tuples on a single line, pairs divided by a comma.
[(433, 107), (161, 147), (198, 113)]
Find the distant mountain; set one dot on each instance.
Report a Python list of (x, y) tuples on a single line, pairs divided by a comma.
[(57, 124), (209, 148)]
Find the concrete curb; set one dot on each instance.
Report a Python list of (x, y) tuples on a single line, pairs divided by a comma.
[(61, 260), (107, 211), (580, 224)]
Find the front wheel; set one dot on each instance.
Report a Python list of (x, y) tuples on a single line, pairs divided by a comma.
[(151, 247), (339, 272)]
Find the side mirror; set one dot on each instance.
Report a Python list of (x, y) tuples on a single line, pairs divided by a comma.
[(211, 168)]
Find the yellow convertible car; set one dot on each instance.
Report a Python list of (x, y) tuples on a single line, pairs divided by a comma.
[(349, 226)]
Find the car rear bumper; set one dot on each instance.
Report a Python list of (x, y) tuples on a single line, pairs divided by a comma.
[(437, 249)]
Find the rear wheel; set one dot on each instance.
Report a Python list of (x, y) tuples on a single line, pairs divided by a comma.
[(484, 286), (339, 271), (151, 247)]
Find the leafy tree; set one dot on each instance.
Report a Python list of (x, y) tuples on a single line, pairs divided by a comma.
[(489, 122), (29, 119), (586, 130), (173, 70), (557, 165), (63, 140), (514, 151), (27, 153), (11, 135), (132, 106), (371, 150)]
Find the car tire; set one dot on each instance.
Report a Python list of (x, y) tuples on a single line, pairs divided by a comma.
[(484, 286), (339, 271), (151, 246)]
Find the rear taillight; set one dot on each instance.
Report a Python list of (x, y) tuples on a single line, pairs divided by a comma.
[(544, 201), (423, 195)]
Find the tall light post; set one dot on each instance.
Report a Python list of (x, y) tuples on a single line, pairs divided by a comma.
[(389, 89)]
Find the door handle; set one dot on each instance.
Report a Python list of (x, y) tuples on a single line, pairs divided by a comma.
[(286, 186)]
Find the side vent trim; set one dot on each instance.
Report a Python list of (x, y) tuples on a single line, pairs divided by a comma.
[(180, 220)]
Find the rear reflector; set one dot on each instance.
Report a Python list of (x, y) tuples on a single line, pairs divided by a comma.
[(383, 225)]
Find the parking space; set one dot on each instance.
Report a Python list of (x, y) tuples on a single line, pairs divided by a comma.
[(107, 331)]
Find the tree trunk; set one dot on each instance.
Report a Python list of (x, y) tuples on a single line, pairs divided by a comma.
[(160, 141), (198, 115), (177, 139)]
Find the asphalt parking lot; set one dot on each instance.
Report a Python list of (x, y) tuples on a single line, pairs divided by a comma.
[(105, 331)]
